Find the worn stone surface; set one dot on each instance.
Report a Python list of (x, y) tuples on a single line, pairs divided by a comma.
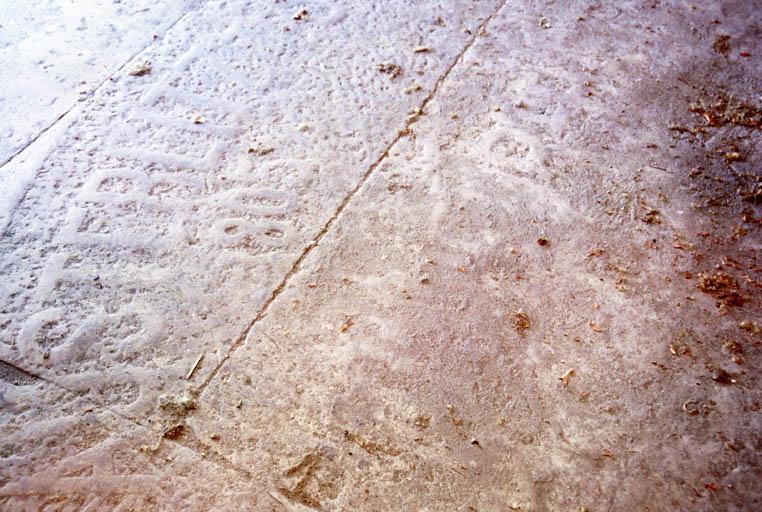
[(541, 296), (61, 452), (176, 202), (55, 53), (395, 353)]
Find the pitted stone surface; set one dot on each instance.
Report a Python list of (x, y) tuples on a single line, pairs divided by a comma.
[(178, 200), (56, 52), (60, 452), (499, 319), (542, 296)]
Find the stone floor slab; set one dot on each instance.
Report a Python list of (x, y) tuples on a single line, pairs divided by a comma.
[(539, 292)]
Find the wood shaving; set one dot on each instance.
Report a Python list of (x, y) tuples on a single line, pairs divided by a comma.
[(422, 421), (261, 151), (346, 325), (389, 68), (566, 376), (751, 327), (141, 69), (690, 407), (195, 366), (411, 89)]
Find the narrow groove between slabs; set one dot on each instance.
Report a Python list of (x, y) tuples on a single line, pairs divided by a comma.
[(240, 339), (91, 94)]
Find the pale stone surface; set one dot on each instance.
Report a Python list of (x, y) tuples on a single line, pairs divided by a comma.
[(60, 452), (177, 201), (55, 53), (495, 304), (392, 362)]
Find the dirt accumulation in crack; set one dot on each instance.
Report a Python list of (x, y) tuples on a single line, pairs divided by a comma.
[(314, 479), (16, 376)]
